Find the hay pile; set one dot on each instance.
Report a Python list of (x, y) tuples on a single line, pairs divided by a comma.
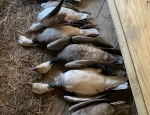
[(16, 63)]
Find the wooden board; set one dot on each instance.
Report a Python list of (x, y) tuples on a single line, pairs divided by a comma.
[(101, 16), (132, 23)]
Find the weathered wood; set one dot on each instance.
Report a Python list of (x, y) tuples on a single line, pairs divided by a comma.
[(101, 16), (132, 24)]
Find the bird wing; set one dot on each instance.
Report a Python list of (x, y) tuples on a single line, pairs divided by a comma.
[(89, 63), (54, 17), (56, 9), (54, 20), (94, 40), (58, 44)]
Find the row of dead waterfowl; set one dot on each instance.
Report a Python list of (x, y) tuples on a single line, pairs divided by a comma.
[(67, 30)]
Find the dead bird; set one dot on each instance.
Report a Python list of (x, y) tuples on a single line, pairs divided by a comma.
[(60, 33), (79, 82), (98, 105), (84, 101), (53, 16), (101, 100), (104, 107), (79, 55)]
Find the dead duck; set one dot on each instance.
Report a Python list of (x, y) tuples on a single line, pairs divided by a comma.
[(81, 55), (57, 15), (79, 82), (56, 33)]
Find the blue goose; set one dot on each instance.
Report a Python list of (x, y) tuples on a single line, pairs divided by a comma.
[(81, 55)]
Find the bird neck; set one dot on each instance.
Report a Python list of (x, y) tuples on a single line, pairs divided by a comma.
[(57, 83)]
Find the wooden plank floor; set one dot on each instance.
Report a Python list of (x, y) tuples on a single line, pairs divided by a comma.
[(101, 16), (132, 22)]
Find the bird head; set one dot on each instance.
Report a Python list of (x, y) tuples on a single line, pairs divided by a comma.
[(39, 88), (43, 68)]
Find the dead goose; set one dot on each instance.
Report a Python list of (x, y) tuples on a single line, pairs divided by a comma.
[(79, 55), (57, 15), (56, 33), (79, 82), (104, 107), (96, 106), (101, 100), (96, 41)]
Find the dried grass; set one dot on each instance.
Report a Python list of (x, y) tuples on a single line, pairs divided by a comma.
[(16, 63)]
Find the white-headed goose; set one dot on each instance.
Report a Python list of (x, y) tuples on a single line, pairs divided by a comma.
[(81, 55), (52, 16), (83, 82), (60, 33)]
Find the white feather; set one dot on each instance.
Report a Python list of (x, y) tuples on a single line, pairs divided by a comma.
[(122, 86)]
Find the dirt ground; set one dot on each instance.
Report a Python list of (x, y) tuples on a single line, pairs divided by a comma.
[(16, 61)]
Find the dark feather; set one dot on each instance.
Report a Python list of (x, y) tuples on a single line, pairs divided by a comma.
[(56, 9)]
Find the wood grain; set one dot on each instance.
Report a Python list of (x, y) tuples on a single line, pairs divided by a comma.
[(132, 22), (101, 16)]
